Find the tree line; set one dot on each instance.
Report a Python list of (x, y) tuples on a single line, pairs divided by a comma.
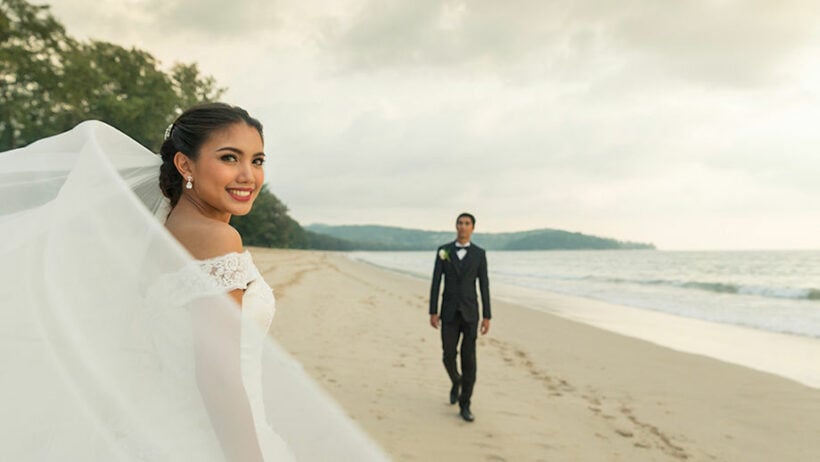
[(50, 81), (374, 237)]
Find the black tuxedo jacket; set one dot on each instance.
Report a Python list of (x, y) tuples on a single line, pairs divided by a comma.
[(459, 283)]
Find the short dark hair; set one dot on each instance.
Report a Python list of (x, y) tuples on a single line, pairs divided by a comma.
[(189, 132), (468, 215)]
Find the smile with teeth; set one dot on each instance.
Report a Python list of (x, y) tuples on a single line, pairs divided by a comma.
[(240, 192)]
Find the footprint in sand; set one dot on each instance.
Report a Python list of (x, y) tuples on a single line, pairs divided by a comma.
[(624, 433), (653, 432)]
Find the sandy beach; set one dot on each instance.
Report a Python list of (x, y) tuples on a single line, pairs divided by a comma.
[(548, 388)]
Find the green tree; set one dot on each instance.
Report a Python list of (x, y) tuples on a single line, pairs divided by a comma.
[(191, 87), (32, 43), (269, 225), (51, 82), (124, 88)]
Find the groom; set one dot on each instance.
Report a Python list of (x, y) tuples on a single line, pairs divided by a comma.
[(461, 262)]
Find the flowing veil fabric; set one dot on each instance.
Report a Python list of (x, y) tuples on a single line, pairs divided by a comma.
[(110, 347)]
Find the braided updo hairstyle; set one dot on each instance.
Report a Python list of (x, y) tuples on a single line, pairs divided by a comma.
[(187, 134)]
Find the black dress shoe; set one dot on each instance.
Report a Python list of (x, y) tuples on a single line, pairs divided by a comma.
[(466, 414), (454, 393)]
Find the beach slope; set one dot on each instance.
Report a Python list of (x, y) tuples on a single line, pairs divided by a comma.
[(548, 388)]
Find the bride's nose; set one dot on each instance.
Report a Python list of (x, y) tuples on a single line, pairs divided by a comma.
[(245, 173)]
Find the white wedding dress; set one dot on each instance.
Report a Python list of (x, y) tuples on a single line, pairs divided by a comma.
[(116, 345), (237, 271)]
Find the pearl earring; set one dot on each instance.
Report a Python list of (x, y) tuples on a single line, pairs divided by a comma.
[(189, 185)]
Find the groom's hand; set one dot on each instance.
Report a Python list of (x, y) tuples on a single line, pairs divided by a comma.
[(434, 321), (485, 326)]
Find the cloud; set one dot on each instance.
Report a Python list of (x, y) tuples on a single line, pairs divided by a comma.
[(385, 34), (714, 42), (722, 42), (686, 124), (166, 19)]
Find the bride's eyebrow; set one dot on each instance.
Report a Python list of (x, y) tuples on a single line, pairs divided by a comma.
[(232, 149)]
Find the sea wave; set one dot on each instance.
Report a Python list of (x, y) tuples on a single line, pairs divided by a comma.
[(792, 293), (763, 290)]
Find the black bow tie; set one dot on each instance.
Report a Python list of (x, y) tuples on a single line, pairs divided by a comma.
[(459, 247)]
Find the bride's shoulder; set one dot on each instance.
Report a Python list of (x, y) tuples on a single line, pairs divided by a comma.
[(218, 256), (207, 239), (222, 239)]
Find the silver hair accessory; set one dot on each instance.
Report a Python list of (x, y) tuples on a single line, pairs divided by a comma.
[(168, 131)]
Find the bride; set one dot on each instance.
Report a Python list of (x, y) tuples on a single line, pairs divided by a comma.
[(123, 339)]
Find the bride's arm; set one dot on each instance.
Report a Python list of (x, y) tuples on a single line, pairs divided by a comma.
[(237, 296), (218, 358), (217, 334)]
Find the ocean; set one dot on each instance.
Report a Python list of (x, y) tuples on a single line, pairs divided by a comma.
[(758, 309), (774, 291)]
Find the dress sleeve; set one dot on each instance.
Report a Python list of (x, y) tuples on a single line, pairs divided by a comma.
[(202, 278), (230, 271)]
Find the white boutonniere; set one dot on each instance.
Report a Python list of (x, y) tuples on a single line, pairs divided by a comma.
[(444, 254)]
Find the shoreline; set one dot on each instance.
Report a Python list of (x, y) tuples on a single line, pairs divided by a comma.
[(782, 354), (549, 388)]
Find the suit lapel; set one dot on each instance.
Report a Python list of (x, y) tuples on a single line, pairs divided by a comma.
[(466, 262), (454, 258)]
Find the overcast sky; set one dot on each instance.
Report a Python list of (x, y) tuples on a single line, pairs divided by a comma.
[(688, 124)]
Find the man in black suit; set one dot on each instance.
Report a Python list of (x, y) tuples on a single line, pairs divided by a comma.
[(461, 262)]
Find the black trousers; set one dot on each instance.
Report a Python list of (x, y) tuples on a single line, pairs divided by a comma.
[(450, 333)]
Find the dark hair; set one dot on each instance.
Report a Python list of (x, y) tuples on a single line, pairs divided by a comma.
[(188, 133), (468, 215)]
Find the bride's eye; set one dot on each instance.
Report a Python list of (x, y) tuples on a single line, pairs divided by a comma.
[(259, 161), (228, 158)]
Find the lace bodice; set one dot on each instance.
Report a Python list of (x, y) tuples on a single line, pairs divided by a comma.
[(203, 278), (230, 271), (236, 271)]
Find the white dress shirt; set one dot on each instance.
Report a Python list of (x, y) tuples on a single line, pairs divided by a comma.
[(461, 250)]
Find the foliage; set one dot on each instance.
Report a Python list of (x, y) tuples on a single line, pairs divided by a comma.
[(32, 44), (269, 225), (553, 239), (324, 242), (49, 82)]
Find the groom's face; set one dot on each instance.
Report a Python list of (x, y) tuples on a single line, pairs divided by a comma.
[(464, 228)]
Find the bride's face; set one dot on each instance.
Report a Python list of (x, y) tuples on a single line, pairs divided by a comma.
[(228, 173)]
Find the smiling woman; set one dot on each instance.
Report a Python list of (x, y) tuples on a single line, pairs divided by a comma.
[(228, 164), (217, 150), (119, 339), (226, 135)]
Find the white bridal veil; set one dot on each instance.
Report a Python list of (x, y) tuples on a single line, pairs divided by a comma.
[(103, 354)]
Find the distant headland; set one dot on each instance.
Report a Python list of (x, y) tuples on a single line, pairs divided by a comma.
[(375, 237)]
